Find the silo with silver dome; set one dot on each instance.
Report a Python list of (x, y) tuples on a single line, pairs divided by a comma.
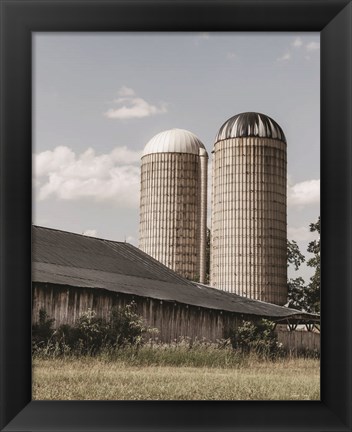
[(173, 202)]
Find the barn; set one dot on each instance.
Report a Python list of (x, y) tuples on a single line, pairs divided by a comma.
[(72, 272)]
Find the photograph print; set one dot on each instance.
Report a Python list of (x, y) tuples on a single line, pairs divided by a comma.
[(176, 216)]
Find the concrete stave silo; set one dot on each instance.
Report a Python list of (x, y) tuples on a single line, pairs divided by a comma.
[(249, 222), (173, 205)]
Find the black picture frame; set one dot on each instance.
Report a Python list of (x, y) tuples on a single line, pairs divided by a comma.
[(22, 17)]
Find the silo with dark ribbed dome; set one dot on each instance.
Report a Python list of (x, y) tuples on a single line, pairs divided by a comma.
[(173, 202), (249, 223)]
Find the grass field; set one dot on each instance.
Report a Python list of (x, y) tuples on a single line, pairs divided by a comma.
[(96, 378)]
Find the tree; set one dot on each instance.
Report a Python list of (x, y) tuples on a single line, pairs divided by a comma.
[(297, 293), (301, 296), (295, 287), (313, 289), (294, 255)]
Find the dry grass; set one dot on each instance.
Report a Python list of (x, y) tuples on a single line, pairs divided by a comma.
[(98, 379)]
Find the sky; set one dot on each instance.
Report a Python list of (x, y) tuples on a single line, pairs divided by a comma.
[(98, 98)]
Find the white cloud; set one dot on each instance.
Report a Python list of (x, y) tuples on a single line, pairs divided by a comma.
[(286, 57), (48, 161), (312, 46), (110, 177), (130, 106), (300, 234), (304, 193), (90, 232), (297, 43), (125, 156)]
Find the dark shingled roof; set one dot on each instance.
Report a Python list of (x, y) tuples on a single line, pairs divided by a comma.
[(65, 258)]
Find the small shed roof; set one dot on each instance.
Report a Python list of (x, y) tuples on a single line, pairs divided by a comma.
[(66, 258)]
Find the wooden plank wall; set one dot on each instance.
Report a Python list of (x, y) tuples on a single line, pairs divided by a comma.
[(173, 320), (299, 340)]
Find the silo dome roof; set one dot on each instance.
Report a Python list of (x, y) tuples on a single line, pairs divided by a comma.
[(250, 124), (173, 141)]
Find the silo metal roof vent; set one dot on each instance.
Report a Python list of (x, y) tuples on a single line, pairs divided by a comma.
[(250, 124)]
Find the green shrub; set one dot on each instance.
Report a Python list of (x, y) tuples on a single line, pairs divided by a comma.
[(257, 337), (90, 334), (126, 327), (42, 331)]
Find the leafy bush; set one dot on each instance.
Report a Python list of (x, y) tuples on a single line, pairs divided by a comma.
[(90, 334), (258, 337), (42, 331), (126, 327)]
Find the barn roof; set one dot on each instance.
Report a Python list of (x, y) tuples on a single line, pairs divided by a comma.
[(66, 258)]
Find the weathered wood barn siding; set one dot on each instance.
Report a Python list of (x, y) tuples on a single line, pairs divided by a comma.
[(172, 319), (73, 273), (299, 340)]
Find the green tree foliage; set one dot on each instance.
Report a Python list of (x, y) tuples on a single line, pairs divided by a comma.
[(297, 294), (300, 295), (294, 255), (296, 286), (313, 289)]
